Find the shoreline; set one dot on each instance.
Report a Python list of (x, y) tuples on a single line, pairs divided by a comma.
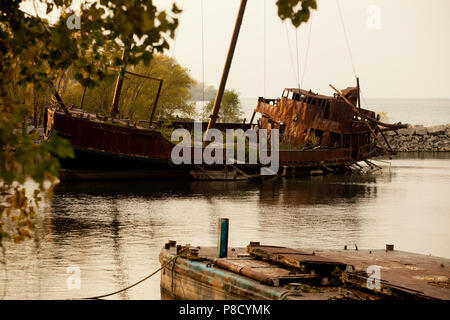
[(418, 138)]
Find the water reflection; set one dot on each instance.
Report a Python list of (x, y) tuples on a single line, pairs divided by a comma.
[(114, 230), (300, 190), (274, 209), (318, 190)]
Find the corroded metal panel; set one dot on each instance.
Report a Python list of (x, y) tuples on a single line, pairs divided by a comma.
[(113, 138), (311, 121), (299, 117)]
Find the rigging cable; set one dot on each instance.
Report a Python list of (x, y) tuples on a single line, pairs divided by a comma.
[(264, 56), (307, 51), (349, 50), (203, 57), (176, 35), (298, 55), (346, 37), (290, 53)]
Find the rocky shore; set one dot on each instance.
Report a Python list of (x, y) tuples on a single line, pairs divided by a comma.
[(419, 138)]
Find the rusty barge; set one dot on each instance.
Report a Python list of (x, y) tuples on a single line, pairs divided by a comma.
[(318, 133), (260, 272)]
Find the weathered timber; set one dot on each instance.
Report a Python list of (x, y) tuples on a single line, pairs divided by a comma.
[(226, 68)]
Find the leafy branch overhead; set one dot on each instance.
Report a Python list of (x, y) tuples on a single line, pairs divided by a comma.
[(298, 11), (35, 55)]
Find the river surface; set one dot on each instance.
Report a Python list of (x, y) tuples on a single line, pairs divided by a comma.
[(113, 232)]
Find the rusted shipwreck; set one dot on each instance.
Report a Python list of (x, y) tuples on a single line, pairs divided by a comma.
[(318, 133), (106, 148), (263, 272), (333, 127)]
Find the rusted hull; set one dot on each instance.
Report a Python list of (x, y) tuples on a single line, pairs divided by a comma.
[(194, 280), (110, 151), (121, 140), (94, 165), (333, 124)]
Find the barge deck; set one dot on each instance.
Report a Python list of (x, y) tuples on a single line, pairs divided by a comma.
[(276, 273)]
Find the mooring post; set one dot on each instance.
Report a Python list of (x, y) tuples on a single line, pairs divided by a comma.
[(222, 243)]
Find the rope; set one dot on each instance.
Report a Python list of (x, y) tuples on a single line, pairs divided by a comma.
[(346, 37), (288, 293), (136, 283)]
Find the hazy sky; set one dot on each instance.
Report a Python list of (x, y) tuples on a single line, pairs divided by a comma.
[(400, 48)]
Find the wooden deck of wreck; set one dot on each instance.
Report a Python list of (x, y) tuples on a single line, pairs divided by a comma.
[(275, 275)]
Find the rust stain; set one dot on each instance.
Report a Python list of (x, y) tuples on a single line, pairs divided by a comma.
[(307, 120)]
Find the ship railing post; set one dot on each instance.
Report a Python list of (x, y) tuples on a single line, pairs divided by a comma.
[(222, 243)]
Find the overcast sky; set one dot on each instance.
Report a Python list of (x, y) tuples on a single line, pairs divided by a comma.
[(400, 48)]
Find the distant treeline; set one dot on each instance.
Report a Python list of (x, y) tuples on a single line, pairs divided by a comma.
[(197, 92), (138, 95), (177, 99)]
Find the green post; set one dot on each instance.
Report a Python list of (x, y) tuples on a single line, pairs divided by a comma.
[(222, 244)]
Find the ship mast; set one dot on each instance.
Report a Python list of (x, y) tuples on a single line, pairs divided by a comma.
[(226, 70), (119, 83)]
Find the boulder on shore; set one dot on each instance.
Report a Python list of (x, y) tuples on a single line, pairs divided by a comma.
[(420, 138)]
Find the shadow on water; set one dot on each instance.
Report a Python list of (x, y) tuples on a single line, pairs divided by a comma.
[(114, 230), (152, 189), (318, 190), (304, 190), (87, 207), (422, 155)]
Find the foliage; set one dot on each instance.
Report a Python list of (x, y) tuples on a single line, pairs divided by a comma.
[(138, 95), (35, 56), (230, 108), (197, 92), (298, 11)]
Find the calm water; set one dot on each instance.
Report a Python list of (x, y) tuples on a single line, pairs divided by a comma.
[(114, 231)]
